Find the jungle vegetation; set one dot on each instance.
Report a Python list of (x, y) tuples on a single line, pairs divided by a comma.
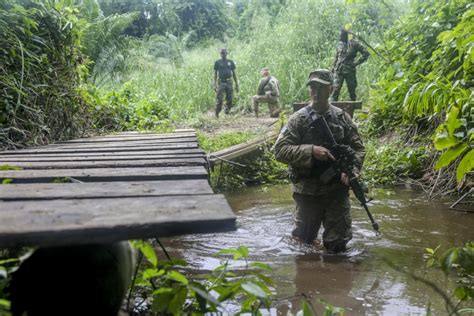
[(71, 68)]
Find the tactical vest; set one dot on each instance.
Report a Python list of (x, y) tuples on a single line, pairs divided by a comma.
[(340, 130)]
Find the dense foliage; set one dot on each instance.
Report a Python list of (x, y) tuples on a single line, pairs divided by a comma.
[(40, 74), (430, 78), (457, 263)]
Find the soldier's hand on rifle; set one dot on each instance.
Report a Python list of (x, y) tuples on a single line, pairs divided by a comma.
[(344, 179), (322, 153)]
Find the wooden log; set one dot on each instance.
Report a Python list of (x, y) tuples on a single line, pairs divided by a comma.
[(167, 162), (104, 174), (84, 221), (242, 149), (99, 149), (50, 191)]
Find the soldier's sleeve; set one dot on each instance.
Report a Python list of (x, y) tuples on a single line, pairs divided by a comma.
[(355, 141), (289, 148), (216, 67), (364, 54)]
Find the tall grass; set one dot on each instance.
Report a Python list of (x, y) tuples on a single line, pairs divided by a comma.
[(302, 37)]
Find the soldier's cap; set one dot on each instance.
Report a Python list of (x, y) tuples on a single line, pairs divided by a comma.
[(323, 76)]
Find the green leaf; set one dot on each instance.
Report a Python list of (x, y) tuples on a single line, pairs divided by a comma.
[(306, 309), (7, 181), (429, 250), (152, 273), (8, 167), (225, 252), (202, 293), (9, 260), (262, 277), (176, 304), (465, 165), (448, 156), (175, 275), (254, 289), (449, 258), (5, 303), (444, 141), (147, 250), (163, 290), (261, 265), (460, 293), (243, 251)]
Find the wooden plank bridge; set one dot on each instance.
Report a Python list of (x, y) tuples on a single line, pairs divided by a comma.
[(109, 188)]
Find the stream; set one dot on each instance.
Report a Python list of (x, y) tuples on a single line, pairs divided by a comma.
[(362, 281)]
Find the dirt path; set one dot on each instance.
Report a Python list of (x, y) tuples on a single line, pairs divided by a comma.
[(211, 126)]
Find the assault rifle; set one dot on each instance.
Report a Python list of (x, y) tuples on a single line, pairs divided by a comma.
[(345, 158)]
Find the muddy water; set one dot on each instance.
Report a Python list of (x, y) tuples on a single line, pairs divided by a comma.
[(361, 281)]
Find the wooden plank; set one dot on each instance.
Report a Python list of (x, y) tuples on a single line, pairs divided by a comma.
[(135, 133), (122, 144), (61, 222), (348, 106), (105, 174), (110, 163), (179, 152), (49, 191), (164, 137), (13, 160), (111, 149)]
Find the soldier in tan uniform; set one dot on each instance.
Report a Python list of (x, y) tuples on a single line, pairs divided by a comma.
[(268, 91), (302, 147)]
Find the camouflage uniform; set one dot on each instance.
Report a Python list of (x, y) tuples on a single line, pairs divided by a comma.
[(224, 68), (268, 91), (317, 202), (345, 67)]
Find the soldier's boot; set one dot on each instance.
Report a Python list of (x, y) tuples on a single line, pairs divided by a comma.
[(274, 109), (218, 109)]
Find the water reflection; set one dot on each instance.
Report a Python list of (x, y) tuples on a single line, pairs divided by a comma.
[(361, 281)]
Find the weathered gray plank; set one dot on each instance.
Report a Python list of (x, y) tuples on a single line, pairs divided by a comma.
[(12, 160), (105, 174), (99, 139), (49, 191), (99, 149), (123, 144), (61, 222), (178, 152), (110, 163)]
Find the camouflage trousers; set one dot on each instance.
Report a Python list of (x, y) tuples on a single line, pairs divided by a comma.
[(272, 102), (224, 89), (351, 81), (332, 211)]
